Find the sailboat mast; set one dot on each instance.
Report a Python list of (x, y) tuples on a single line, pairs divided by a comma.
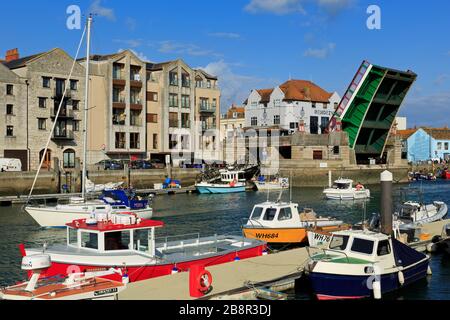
[(86, 106)]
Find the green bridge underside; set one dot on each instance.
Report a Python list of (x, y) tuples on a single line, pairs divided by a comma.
[(371, 114)]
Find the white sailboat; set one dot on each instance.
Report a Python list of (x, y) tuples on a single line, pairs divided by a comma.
[(60, 215)]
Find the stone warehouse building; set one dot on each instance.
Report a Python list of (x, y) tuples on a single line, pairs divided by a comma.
[(296, 105), (31, 90)]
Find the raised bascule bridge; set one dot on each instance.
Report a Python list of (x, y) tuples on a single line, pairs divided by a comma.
[(368, 109)]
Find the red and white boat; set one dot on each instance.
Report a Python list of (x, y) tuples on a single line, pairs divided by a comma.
[(125, 241), (446, 174)]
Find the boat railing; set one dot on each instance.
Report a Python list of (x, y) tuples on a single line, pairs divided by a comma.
[(183, 241), (325, 253)]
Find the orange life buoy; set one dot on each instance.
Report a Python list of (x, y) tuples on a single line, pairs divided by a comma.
[(204, 282)]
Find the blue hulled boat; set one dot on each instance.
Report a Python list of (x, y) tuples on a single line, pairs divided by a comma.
[(363, 264), (230, 182)]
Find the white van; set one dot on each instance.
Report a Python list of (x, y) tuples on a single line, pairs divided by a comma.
[(9, 165)]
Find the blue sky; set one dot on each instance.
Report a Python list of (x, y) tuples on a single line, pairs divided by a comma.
[(259, 43)]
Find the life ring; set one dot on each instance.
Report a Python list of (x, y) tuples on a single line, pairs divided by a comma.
[(204, 282)]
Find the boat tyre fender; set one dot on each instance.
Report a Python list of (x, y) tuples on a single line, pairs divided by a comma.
[(204, 282)]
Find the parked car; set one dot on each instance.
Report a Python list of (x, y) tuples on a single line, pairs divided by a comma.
[(157, 164), (110, 165), (141, 164)]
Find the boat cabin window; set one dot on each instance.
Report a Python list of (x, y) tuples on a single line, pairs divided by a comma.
[(339, 242), (362, 246), (89, 240), (270, 214), (342, 186), (72, 236), (384, 248), (257, 213), (285, 214), (119, 240), (241, 176), (140, 239)]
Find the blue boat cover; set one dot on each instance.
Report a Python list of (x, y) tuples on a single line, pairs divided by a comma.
[(405, 255)]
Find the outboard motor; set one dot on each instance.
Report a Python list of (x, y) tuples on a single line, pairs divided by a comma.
[(447, 230)]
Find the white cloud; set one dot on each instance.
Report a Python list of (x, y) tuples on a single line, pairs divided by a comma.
[(321, 53), (229, 35), (279, 7), (140, 55), (132, 43), (179, 48), (235, 88), (334, 7), (97, 9), (439, 104), (131, 24)]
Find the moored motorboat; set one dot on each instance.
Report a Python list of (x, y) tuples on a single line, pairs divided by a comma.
[(413, 213), (268, 185), (442, 242), (281, 222), (123, 240), (230, 182), (363, 264), (343, 189)]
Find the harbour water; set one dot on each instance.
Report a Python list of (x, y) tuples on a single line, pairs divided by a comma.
[(224, 214)]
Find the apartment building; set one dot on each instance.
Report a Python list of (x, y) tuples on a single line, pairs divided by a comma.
[(296, 105), (232, 121), (117, 109), (35, 86), (182, 105)]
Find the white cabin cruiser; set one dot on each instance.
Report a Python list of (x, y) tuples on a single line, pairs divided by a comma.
[(343, 189), (276, 184), (413, 213)]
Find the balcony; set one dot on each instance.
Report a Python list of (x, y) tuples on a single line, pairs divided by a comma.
[(119, 103), (207, 108), (173, 124), (63, 114), (208, 126), (136, 104), (63, 136)]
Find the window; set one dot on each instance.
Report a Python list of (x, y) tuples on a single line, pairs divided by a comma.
[(384, 248), (152, 96), (185, 142), (9, 89), (173, 141), (313, 105), (257, 213), (140, 240), (117, 71), (120, 140), (439, 145), (254, 121), (42, 124), (69, 159), (46, 82), (72, 237), (293, 125), (276, 119), (155, 141), (9, 109), (270, 214), (134, 140), (76, 125), (9, 131), (75, 105), (173, 120), (42, 102), (173, 78), (135, 96), (152, 118), (185, 80), (285, 214), (185, 101), (185, 123), (276, 102), (119, 117), (117, 95), (336, 150), (446, 146), (73, 84), (336, 105), (362, 246), (324, 124), (119, 240), (208, 84), (339, 242), (214, 103), (317, 155), (135, 118), (173, 100), (325, 105), (89, 240)]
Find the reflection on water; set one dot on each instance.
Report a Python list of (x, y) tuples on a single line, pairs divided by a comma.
[(224, 214)]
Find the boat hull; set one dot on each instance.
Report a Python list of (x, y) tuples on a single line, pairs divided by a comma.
[(332, 195), (276, 235), (152, 270), (219, 190), (339, 286), (51, 217)]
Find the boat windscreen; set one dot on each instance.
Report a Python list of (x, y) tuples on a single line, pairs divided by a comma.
[(257, 213), (339, 242)]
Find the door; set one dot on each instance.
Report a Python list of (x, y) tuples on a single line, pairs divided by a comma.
[(314, 125), (47, 164)]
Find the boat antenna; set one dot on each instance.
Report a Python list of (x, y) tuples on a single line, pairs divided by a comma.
[(66, 85), (86, 106), (290, 186)]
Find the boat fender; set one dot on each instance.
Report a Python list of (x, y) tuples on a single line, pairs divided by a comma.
[(401, 278), (175, 270), (204, 282), (429, 272), (376, 287), (431, 247), (265, 253)]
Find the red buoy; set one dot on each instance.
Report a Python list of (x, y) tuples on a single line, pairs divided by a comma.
[(200, 281)]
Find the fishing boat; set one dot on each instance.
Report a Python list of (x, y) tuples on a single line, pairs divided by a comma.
[(230, 182), (281, 222), (275, 184), (76, 286), (412, 213), (113, 240), (118, 201), (363, 264), (343, 189)]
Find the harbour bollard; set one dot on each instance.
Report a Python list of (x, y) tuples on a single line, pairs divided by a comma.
[(386, 202)]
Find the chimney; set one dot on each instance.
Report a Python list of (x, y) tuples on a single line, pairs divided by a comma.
[(12, 55)]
